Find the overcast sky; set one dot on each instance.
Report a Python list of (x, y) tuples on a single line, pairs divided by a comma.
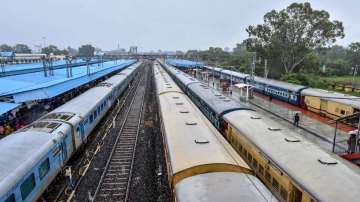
[(150, 24)]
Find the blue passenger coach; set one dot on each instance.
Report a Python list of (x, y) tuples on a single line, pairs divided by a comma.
[(210, 102), (280, 90)]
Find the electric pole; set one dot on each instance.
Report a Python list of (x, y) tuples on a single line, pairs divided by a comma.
[(253, 66), (266, 71)]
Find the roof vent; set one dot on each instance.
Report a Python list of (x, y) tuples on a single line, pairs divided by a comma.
[(227, 100), (184, 111), (217, 95), (179, 103), (190, 123), (222, 98), (169, 87), (255, 117), (104, 84), (291, 139), (274, 129), (175, 97), (201, 141), (327, 161)]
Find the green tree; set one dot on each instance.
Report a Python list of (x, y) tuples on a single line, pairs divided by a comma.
[(21, 48), (86, 51), (287, 36), (5, 48), (51, 49), (353, 53)]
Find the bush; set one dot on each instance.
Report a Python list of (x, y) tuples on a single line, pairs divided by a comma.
[(306, 79), (301, 79)]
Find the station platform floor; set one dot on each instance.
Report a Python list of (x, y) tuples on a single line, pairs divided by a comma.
[(311, 126)]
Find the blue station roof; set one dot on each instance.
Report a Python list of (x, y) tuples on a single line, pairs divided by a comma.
[(6, 107), (11, 69), (35, 86), (184, 63), (7, 54)]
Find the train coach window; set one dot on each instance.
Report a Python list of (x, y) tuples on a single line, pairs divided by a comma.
[(245, 152), (249, 157), (27, 186), (91, 118), (283, 193), (240, 148), (275, 184), (261, 170), (267, 176), (44, 168), (255, 164), (11, 198)]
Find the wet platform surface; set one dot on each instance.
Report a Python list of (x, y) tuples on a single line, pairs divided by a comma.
[(312, 126)]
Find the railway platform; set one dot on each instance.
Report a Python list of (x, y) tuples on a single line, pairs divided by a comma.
[(312, 126), (312, 123)]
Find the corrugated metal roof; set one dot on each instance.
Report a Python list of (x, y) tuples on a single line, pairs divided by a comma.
[(7, 54), (6, 107), (18, 67), (333, 96), (279, 84), (33, 86)]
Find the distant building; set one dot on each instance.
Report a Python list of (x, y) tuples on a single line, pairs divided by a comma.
[(133, 50), (17, 58)]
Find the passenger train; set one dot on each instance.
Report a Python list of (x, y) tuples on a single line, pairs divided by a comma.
[(327, 103), (292, 167), (32, 157), (201, 165)]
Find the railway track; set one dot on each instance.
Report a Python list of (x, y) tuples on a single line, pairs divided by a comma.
[(116, 177), (100, 138)]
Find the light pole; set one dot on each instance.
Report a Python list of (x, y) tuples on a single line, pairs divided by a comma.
[(87, 59), (43, 58), (231, 79), (253, 66), (266, 71), (355, 70)]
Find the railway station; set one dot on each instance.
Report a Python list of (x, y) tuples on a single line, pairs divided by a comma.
[(133, 121), (183, 101)]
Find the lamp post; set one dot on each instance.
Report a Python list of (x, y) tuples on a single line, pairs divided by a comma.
[(87, 59), (253, 66), (44, 61), (231, 79)]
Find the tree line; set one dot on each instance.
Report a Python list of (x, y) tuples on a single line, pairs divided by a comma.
[(294, 42), (83, 51)]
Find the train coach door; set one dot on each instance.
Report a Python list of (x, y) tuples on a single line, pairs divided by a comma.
[(297, 195), (323, 105), (62, 149), (81, 131)]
